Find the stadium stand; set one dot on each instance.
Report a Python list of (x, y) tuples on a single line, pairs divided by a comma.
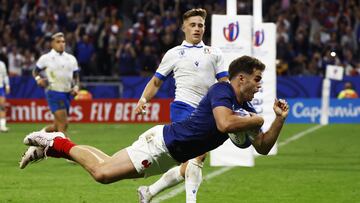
[(130, 37)]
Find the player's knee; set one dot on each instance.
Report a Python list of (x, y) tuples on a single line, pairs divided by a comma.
[(193, 170), (201, 158), (101, 176), (195, 163)]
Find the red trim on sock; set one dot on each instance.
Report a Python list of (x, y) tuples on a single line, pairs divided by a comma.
[(63, 145)]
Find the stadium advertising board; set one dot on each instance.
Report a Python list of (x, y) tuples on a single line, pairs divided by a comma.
[(309, 111), (233, 37), (97, 110), (264, 48)]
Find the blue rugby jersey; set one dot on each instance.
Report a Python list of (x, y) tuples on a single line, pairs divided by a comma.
[(198, 133)]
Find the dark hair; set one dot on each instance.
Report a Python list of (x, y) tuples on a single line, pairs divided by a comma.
[(195, 12), (245, 64)]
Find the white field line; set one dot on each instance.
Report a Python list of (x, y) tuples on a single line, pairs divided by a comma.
[(181, 188), (299, 135)]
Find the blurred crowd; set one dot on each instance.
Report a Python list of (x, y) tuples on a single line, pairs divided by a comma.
[(116, 37), (314, 33)]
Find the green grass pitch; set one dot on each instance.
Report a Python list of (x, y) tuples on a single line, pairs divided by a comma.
[(322, 166)]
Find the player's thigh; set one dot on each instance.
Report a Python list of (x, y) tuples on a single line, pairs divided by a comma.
[(149, 154), (120, 166)]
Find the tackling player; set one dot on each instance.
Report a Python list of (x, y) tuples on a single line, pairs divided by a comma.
[(195, 67), (164, 146)]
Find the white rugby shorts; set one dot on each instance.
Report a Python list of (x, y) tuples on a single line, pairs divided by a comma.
[(149, 153)]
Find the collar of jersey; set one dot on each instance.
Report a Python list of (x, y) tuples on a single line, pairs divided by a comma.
[(56, 53), (188, 45)]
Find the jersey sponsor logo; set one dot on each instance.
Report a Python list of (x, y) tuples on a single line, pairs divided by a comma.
[(207, 51), (259, 37), (181, 52), (196, 63), (146, 163), (231, 32)]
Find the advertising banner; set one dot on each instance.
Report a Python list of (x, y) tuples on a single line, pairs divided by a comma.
[(309, 111), (264, 49), (97, 110), (233, 35)]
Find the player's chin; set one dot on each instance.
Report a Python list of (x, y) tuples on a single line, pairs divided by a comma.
[(251, 97), (196, 39)]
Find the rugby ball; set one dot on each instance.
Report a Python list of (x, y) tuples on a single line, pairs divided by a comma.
[(241, 139)]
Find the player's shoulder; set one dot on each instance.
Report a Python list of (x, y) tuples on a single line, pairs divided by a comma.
[(72, 57), (45, 56), (68, 54), (212, 50), (174, 53), (175, 49), (220, 87)]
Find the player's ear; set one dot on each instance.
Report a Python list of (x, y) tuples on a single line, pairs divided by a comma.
[(241, 77)]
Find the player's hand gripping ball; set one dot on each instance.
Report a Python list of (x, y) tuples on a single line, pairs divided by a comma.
[(242, 139)]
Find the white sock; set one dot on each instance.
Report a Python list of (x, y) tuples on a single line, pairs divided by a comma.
[(193, 179), (168, 179), (2, 122)]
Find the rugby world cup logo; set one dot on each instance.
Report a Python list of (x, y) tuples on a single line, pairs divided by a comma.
[(259, 37), (231, 32)]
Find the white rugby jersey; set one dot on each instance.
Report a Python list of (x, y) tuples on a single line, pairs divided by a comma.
[(195, 68), (59, 69), (4, 79)]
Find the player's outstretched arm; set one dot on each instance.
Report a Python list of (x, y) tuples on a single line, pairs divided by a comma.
[(149, 92), (265, 141), (227, 121)]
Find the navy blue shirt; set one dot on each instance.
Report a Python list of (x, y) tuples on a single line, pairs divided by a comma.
[(198, 133)]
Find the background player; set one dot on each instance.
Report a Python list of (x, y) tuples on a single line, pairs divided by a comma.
[(4, 89), (195, 67), (62, 80), (161, 147)]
